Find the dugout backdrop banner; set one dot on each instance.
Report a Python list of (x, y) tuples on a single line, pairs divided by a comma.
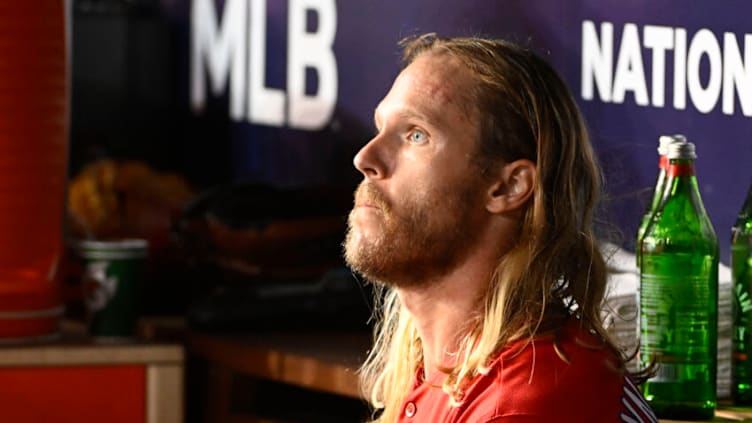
[(283, 91)]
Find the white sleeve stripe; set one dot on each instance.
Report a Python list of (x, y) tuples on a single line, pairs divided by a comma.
[(635, 397), (629, 408)]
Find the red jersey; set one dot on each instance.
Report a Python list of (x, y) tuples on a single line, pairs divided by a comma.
[(531, 383)]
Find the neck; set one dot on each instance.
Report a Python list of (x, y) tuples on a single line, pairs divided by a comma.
[(444, 309)]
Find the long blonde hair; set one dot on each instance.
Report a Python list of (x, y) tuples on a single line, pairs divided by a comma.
[(555, 269)]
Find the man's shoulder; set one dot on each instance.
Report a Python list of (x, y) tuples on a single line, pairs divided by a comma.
[(570, 372), (573, 351)]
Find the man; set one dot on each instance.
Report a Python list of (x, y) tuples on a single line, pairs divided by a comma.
[(475, 216)]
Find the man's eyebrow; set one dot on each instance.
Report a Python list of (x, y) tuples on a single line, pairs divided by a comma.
[(414, 114), (405, 113)]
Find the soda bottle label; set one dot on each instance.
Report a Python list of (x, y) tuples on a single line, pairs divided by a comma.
[(742, 338), (676, 326), (668, 372)]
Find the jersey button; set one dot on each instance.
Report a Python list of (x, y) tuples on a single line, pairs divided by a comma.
[(410, 409)]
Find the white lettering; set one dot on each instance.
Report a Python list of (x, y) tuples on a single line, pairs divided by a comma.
[(236, 49), (220, 47), (597, 59), (726, 74), (629, 75), (659, 39), (680, 69), (704, 43), (737, 74), (265, 105), (311, 50)]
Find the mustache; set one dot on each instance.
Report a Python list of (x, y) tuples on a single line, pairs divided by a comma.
[(367, 193)]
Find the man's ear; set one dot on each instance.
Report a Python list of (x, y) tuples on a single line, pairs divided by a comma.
[(513, 186)]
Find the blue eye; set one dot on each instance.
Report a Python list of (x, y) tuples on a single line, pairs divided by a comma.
[(417, 136)]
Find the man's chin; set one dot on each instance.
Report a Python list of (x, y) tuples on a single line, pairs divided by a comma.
[(373, 268), (353, 249), (361, 262), (372, 275)]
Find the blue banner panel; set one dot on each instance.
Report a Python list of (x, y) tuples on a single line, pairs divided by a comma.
[(282, 92)]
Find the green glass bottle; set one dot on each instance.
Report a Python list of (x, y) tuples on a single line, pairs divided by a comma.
[(663, 142), (741, 279), (679, 297)]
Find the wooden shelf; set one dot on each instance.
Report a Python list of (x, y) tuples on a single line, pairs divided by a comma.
[(320, 361), (90, 352)]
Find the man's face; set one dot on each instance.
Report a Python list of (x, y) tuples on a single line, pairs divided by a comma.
[(420, 206)]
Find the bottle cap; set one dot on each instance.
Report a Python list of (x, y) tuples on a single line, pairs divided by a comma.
[(685, 150), (665, 140)]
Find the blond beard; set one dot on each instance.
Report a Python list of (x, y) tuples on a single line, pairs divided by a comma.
[(416, 243)]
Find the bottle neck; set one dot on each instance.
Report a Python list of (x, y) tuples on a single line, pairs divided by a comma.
[(663, 162), (680, 167), (681, 193)]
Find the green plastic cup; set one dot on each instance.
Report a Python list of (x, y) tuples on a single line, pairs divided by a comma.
[(112, 284)]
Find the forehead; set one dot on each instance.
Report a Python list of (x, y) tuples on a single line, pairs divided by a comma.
[(436, 86)]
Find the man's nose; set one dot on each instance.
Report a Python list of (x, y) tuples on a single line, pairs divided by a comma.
[(371, 160)]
